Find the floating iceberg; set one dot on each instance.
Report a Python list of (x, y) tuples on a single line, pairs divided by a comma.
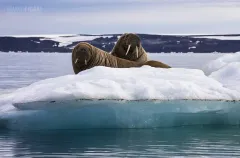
[(143, 97)]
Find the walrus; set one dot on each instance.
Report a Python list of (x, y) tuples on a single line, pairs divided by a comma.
[(129, 47), (86, 56)]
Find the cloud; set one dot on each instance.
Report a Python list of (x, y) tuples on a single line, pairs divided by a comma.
[(95, 17)]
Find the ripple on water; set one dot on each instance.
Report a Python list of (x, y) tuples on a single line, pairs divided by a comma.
[(185, 142)]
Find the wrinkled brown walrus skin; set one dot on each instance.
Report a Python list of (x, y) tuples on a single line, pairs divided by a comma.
[(86, 56)]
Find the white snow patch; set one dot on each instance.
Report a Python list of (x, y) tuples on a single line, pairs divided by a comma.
[(220, 37), (193, 47), (229, 75), (226, 70), (35, 41), (221, 62), (67, 40)]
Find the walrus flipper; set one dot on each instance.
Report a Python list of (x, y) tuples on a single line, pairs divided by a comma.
[(157, 64)]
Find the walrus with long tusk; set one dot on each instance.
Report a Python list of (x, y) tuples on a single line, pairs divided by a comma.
[(128, 52), (129, 47)]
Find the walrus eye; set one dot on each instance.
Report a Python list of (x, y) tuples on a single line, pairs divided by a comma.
[(76, 61), (129, 46), (137, 51)]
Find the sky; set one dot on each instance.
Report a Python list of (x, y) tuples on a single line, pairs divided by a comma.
[(34, 17)]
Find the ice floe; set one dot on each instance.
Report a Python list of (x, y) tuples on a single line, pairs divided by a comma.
[(145, 83), (144, 97)]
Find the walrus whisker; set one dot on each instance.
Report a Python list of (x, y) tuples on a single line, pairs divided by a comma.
[(137, 51), (85, 62), (129, 46), (76, 61)]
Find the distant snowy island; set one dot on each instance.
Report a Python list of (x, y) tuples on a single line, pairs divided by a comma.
[(152, 43)]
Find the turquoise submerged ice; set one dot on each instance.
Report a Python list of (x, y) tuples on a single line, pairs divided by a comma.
[(130, 114), (130, 98)]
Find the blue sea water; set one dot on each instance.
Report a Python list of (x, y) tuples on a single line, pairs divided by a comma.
[(214, 139), (170, 142)]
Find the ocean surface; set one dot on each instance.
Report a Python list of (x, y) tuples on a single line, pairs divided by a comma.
[(19, 70)]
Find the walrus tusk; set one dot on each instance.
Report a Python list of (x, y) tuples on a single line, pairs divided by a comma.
[(129, 46), (85, 62), (76, 61), (137, 51)]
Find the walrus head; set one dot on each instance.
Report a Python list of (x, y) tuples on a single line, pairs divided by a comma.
[(81, 56), (129, 47)]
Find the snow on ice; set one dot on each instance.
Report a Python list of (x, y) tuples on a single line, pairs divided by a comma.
[(145, 83)]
